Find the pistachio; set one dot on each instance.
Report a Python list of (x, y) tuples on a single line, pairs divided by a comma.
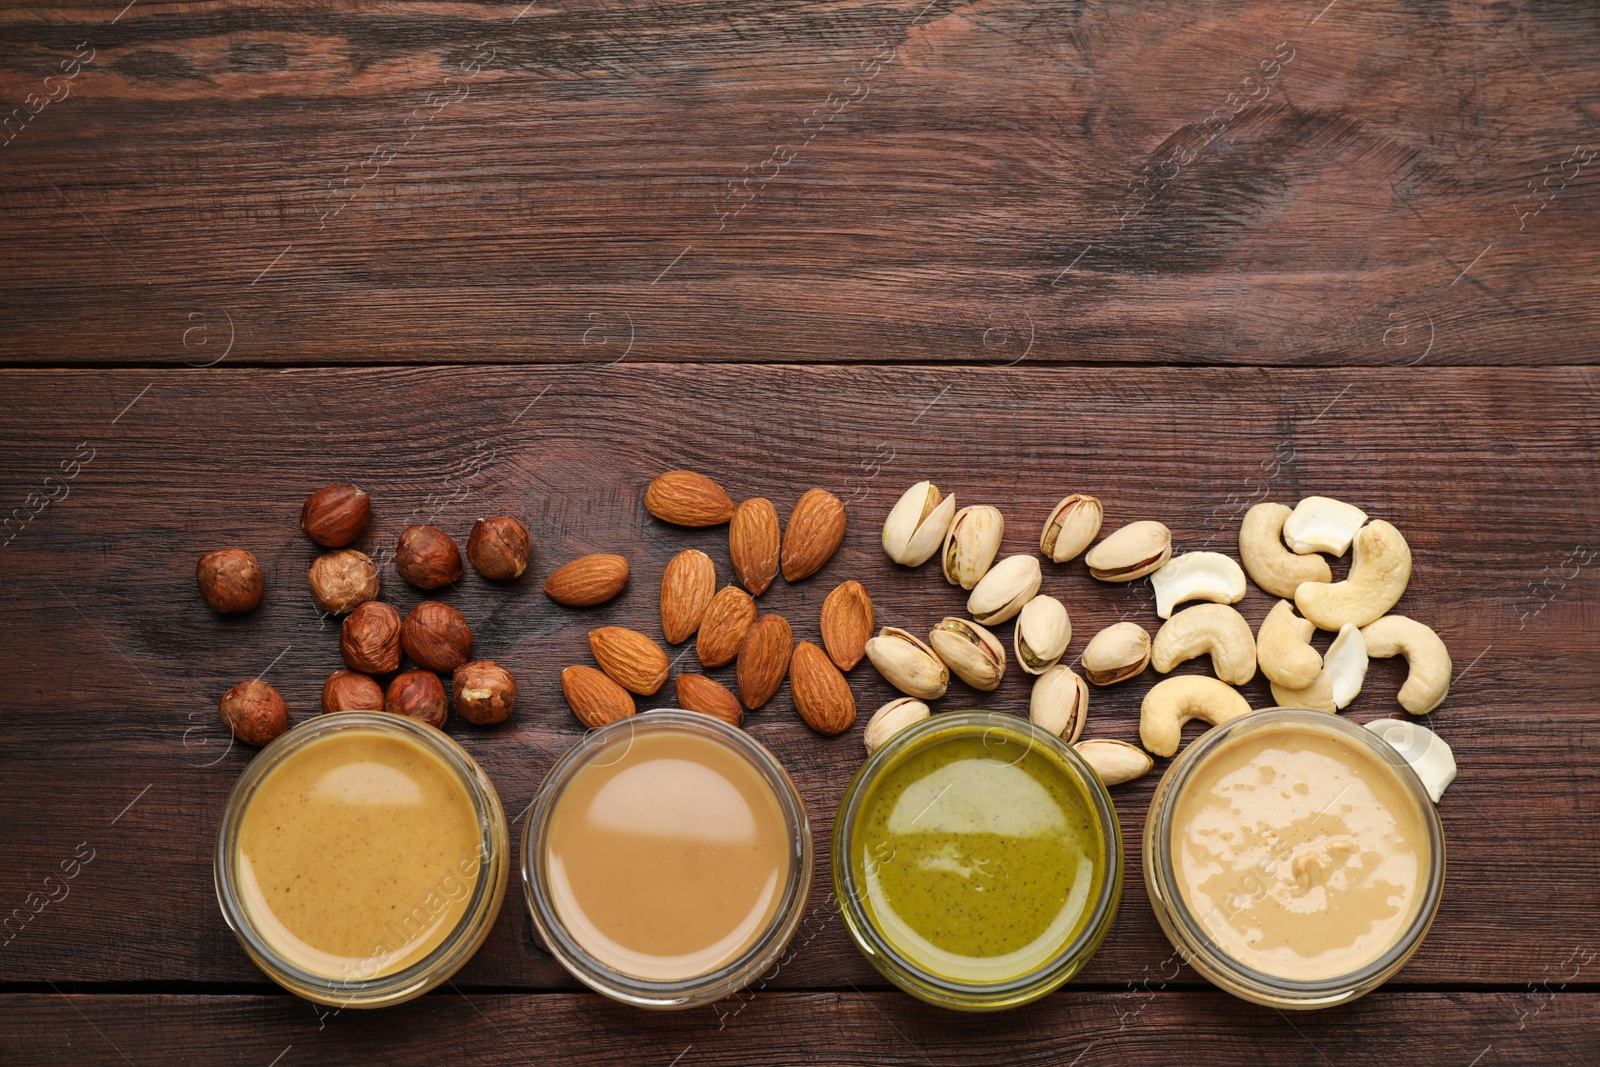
[(1003, 591), (890, 719), (975, 654), (1115, 761), (970, 545), (1131, 552), (1060, 703), (1043, 633), (1116, 653), (1070, 527), (917, 524), (908, 664)]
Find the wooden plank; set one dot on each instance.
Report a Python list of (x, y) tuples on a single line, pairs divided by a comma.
[(870, 1029), (112, 665), (859, 182)]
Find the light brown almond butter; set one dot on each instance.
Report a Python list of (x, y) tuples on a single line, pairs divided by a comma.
[(687, 586), (722, 630), (710, 697), (764, 659), (821, 694), (587, 580), (753, 543), (685, 498), (847, 624), (816, 526), (595, 699), (633, 660)]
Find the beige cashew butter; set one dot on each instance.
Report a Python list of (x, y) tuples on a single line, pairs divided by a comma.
[(1298, 854)]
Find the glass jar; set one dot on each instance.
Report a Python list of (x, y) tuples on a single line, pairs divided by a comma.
[(1190, 937), (480, 882), (609, 746), (1056, 954)]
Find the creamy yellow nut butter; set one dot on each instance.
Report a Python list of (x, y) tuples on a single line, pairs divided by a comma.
[(1292, 859)]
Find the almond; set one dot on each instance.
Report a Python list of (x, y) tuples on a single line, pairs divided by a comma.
[(685, 498), (753, 543), (816, 526), (594, 698), (821, 694), (847, 624), (764, 659), (722, 630), (687, 586), (710, 697), (631, 659), (587, 580)]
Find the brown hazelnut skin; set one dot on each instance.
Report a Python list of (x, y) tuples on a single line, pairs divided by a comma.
[(370, 638), (484, 692), (254, 712), (229, 579), (436, 636), (335, 516), (342, 580), (427, 557), (349, 691), (418, 695), (498, 548)]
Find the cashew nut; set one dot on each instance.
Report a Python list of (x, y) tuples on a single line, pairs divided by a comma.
[(1428, 679), (1379, 571), (1270, 565), (1344, 668), (1427, 753), (1283, 647), (1322, 524), (1197, 576), (1214, 628), (1115, 761), (1174, 701)]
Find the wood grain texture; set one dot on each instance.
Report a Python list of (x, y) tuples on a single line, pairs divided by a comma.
[(867, 1029), (112, 664), (957, 182)]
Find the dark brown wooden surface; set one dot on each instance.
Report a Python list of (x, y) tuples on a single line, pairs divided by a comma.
[(583, 264)]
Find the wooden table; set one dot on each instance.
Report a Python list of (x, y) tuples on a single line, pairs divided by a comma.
[(487, 258)]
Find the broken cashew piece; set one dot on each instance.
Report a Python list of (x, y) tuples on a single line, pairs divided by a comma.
[(1428, 680), (1207, 628), (1344, 668), (1174, 701), (1322, 524), (1115, 761), (1283, 647), (1270, 565), (1419, 746), (1379, 572), (1197, 576)]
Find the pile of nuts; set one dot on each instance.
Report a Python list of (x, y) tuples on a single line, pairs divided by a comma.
[(1280, 548), (726, 623), (373, 636)]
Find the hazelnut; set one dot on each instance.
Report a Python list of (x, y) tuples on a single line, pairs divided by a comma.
[(349, 691), (426, 557), (418, 695), (333, 517), (230, 580), (498, 548), (254, 712), (370, 639), (484, 692), (342, 581), (436, 636)]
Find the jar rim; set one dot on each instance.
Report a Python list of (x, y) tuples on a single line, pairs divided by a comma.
[(1199, 948), (905, 972), (733, 975), (482, 906)]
